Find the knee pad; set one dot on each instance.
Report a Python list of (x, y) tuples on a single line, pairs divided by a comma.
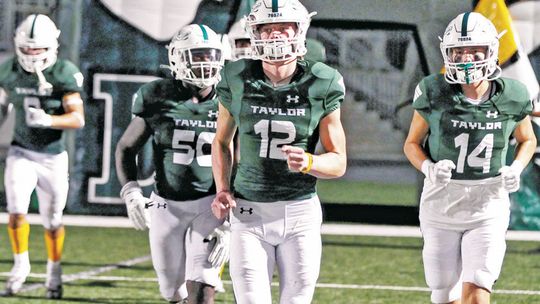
[(171, 296), (484, 279), (446, 295), (51, 221)]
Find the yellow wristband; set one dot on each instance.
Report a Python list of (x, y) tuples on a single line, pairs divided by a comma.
[(309, 164)]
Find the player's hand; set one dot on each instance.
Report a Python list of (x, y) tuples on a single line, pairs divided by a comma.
[(510, 176), (297, 158), (439, 172), (37, 118), (222, 203), (135, 201), (220, 253)]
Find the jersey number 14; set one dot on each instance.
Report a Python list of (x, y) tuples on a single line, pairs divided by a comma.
[(473, 159)]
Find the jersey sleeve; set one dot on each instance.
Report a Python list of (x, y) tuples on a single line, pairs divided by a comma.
[(138, 107), (224, 91), (71, 79), (5, 72), (527, 109), (421, 100), (335, 95)]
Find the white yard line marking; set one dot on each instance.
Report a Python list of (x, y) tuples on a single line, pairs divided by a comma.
[(92, 273), (275, 284), (327, 228)]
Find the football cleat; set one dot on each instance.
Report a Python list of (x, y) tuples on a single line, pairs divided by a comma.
[(17, 277), (55, 293), (54, 280)]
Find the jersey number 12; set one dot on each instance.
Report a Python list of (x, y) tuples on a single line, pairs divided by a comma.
[(271, 147)]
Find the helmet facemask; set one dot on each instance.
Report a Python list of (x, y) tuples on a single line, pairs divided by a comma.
[(471, 31), (36, 32), (195, 56), (278, 49), (266, 12), (199, 67), (240, 41)]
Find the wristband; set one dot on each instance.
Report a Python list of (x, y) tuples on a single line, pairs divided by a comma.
[(309, 165)]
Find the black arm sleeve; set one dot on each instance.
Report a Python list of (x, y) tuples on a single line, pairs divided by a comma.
[(135, 136)]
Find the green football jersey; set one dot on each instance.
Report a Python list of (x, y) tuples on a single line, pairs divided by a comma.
[(474, 137), (183, 132), (22, 90), (268, 118)]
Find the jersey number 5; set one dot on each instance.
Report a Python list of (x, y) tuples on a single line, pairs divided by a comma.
[(271, 147), (186, 157), (473, 160)]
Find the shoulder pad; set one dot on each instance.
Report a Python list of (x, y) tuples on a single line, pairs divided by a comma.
[(321, 70), (514, 97), (6, 68)]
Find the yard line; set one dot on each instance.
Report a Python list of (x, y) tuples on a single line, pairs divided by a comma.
[(327, 228), (276, 284), (89, 273)]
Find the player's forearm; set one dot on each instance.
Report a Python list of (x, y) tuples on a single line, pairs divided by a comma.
[(525, 150), (222, 165), (72, 120), (329, 165), (126, 164), (415, 154)]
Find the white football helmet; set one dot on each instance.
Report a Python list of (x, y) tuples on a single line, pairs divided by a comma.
[(195, 55), (471, 29), (238, 33), (35, 32), (278, 11)]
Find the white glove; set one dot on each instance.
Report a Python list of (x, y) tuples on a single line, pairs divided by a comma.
[(37, 118), (132, 196), (510, 176), (220, 253), (439, 172)]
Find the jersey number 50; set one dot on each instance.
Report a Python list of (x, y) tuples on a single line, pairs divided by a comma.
[(186, 157)]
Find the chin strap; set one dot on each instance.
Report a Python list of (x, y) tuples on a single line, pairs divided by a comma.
[(45, 88)]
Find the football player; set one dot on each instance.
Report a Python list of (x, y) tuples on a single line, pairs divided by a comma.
[(180, 115), (239, 41), (45, 93), (281, 106), (467, 117)]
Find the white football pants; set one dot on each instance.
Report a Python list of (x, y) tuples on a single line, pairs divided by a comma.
[(47, 173), (464, 227), (176, 234), (286, 233)]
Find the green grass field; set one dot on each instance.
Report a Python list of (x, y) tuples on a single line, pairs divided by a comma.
[(355, 269), (358, 192)]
